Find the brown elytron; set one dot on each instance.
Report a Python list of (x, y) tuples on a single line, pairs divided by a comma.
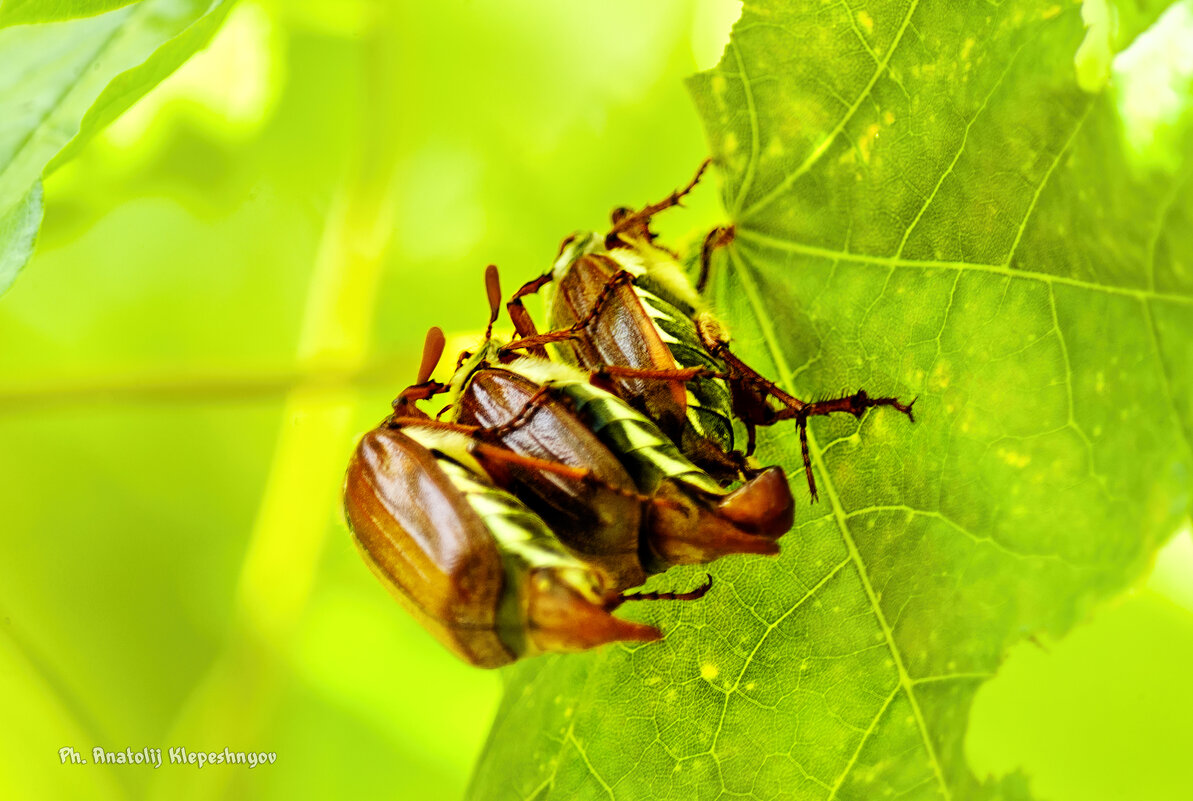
[(432, 552)]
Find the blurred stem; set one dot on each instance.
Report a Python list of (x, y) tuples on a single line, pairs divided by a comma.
[(200, 386), (247, 681)]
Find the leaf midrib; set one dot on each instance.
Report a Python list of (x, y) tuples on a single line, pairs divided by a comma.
[(905, 681), (767, 240)]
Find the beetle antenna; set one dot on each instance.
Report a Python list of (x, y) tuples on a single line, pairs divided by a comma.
[(692, 595), (432, 353), (493, 288), (424, 388)]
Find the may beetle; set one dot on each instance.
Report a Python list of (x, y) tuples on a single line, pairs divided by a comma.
[(475, 566), (622, 306)]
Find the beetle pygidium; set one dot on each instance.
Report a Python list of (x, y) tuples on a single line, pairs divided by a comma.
[(620, 301), (469, 561)]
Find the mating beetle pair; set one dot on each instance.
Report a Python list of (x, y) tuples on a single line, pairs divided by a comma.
[(516, 525)]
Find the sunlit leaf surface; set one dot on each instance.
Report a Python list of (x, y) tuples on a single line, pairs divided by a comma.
[(18, 230), (23, 12), (930, 202)]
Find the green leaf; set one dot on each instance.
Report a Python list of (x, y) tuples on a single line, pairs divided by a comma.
[(61, 83), (18, 232), (23, 12), (929, 205)]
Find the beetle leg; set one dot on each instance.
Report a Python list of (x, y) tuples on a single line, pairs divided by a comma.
[(404, 404), (692, 595), (639, 220), (581, 475), (803, 446), (681, 374), (523, 324), (722, 465), (718, 237), (504, 455), (533, 404), (400, 421), (855, 404), (794, 408), (536, 341)]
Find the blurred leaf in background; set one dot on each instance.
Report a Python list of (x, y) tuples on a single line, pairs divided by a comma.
[(63, 82), (233, 280)]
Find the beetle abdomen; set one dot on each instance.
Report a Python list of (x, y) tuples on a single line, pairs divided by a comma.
[(650, 456), (553, 602), (709, 402)]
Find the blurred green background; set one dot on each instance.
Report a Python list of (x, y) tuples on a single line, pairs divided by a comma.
[(231, 284)]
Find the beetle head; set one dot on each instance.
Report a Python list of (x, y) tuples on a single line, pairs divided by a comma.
[(578, 244), (567, 611)]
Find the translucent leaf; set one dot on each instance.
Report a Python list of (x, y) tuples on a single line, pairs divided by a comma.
[(18, 231), (62, 82), (22, 12)]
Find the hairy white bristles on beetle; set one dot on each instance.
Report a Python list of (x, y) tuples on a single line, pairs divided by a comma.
[(452, 444), (542, 371)]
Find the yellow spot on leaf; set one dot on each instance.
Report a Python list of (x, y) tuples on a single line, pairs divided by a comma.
[(1014, 458), (866, 143), (940, 377)]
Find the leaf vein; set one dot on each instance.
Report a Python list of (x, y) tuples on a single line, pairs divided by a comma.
[(1035, 198), (995, 269), (830, 490), (823, 147)]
